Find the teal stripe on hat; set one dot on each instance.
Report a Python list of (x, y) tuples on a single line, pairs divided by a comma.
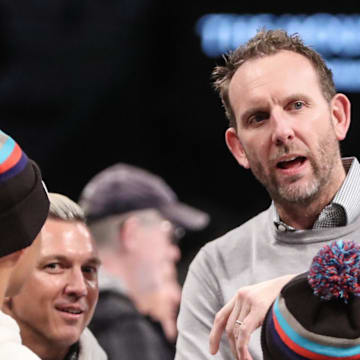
[(325, 340), (309, 345), (3, 138), (7, 149)]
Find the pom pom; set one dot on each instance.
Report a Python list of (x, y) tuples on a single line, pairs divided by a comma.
[(335, 271)]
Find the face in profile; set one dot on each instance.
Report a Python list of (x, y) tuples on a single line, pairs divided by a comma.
[(167, 299), (154, 246), (58, 299), (158, 235)]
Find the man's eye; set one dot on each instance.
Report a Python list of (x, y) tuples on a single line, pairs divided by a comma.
[(53, 267), (90, 269), (258, 117), (297, 105)]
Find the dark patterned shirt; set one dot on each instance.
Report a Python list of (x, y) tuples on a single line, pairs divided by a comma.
[(73, 353)]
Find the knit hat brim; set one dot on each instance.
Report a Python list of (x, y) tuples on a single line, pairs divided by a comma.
[(22, 222)]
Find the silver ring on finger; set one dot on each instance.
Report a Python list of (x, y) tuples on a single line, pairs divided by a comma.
[(239, 322)]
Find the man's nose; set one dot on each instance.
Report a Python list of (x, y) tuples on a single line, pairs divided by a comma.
[(282, 131), (76, 284)]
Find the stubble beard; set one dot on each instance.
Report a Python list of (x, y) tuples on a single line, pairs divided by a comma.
[(322, 166)]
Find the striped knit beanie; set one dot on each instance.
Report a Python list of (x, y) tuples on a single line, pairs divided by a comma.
[(24, 203), (317, 314)]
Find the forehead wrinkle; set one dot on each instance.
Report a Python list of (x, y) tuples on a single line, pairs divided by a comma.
[(247, 81), (245, 90), (70, 247)]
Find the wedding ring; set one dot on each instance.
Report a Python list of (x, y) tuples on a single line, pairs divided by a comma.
[(238, 322)]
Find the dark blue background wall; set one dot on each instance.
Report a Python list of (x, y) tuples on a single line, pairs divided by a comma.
[(85, 84)]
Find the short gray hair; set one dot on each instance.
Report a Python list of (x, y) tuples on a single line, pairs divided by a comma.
[(63, 208), (106, 230)]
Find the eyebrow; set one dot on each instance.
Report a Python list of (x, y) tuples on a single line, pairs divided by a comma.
[(251, 111), (263, 108), (93, 260)]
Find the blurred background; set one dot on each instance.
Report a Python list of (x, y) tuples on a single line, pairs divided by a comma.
[(86, 84)]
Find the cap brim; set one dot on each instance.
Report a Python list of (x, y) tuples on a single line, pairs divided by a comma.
[(185, 216)]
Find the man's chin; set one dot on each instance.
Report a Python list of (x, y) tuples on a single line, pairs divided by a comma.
[(68, 337), (297, 193)]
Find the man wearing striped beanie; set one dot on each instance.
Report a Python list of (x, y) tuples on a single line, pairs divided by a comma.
[(24, 207)]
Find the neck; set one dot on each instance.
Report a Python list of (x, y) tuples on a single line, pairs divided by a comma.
[(44, 350), (302, 215), (114, 264), (143, 304), (139, 283)]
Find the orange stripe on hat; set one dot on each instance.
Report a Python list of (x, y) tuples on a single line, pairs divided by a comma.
[(12, 160), (302, 351)]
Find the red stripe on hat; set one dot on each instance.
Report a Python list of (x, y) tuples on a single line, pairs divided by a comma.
[(302, 351), (12, 160)]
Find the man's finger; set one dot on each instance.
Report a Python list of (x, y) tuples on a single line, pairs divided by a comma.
[(232, 325), (234, 315), (251, 323), (218, 328)]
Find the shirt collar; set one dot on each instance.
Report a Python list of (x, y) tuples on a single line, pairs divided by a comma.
[(73, 353), (348, 195)]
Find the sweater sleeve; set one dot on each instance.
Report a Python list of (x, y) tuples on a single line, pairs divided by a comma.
[(201, 300)]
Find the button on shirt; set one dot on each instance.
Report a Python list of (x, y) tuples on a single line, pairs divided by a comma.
[(344, 208)]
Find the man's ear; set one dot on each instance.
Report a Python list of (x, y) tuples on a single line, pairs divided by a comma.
[(236, 148), (340, 115), (7, 306), (11, 259), (127, 233)]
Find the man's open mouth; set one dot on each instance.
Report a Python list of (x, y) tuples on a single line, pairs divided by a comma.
[(291, 162)]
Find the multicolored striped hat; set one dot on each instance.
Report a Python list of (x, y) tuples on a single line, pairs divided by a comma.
[(24, 204), (317, 314)]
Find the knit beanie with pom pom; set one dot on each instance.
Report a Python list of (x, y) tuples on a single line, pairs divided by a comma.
[(317, 314)]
